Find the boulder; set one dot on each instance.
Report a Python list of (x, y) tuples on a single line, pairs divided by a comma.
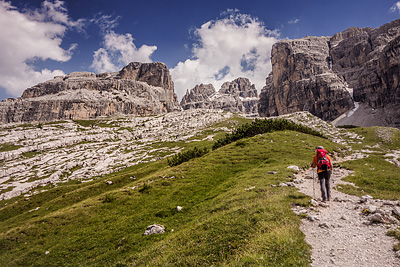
[(154, 229), (294, 167), (370, 209)]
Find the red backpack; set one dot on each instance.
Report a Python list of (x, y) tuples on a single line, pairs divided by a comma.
[(323, 162)]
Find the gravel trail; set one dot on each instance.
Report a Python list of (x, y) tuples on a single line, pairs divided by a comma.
[(340, 234)]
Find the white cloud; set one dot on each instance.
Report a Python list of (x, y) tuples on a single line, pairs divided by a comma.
[(28, 36), (235, 46), (294, 21), (395, 7), (118, 50)]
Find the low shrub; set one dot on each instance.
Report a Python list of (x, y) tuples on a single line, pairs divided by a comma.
[(186, 156), (260, 126), (108, 199), (347, 126)]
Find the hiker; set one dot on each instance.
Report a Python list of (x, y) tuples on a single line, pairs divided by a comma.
[(324, 163)]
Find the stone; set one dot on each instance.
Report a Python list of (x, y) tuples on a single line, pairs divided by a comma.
[(250, 188), (272, 172), (109, 182), (364, 199), (314, 203), (377, 218), (398, 254), (323, 225), (338, 199), (238, 96), (178, 208), (294, 167), (154, 229), (396, 211), (370, 209), (138, 89), (312, 218), (324, 204), (282, 185)]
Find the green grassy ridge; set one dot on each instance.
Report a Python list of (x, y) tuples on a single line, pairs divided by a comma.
[(221, 224)]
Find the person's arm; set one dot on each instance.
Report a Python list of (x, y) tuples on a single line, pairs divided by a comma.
[(314, 164), (330, 162)]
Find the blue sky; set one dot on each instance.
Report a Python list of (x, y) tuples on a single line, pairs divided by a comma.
[(200, 41)]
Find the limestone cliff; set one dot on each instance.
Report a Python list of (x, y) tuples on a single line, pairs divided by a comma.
[(318, 74), (138, 89), (238, 96), (302, 80)]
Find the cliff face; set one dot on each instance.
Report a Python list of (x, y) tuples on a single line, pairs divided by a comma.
[(317, 74), (138, 89), (238, 96), (302, 80)]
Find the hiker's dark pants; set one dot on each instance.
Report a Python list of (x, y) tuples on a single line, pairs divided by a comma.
[(324, 179)]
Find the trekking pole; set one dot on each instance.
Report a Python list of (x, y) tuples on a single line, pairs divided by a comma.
[(333, 180), (313, 181)]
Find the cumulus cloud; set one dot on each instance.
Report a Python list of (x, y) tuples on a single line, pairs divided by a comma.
[(395, 7), (28, 36), (294, 21), (118, 50), (237, 45)]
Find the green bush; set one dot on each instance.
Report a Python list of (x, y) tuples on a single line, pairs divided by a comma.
[(349, 126), (186, 156), (260, 126), (108, 199)]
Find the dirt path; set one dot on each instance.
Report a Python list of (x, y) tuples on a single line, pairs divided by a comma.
[(340, 234)]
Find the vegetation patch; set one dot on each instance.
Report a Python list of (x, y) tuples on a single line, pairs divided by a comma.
[(186, 156), (8, 147), (374, 176), (260, 126), (395, 234), (30, 154)]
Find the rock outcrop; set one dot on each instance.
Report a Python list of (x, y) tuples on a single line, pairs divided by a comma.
[(315, 74), (238, 96), (302, 80), (198, 97), (139, 89)]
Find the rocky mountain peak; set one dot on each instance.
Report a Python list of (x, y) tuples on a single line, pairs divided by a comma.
[(238, 95), (325, 75), (155, 74), (239, 86)]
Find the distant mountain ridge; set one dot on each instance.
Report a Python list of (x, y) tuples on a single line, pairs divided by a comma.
[(138, 89), (238, 96)]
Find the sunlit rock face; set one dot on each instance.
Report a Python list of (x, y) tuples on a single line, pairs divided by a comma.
[(318, 74), (238, 96), (138, 89)]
